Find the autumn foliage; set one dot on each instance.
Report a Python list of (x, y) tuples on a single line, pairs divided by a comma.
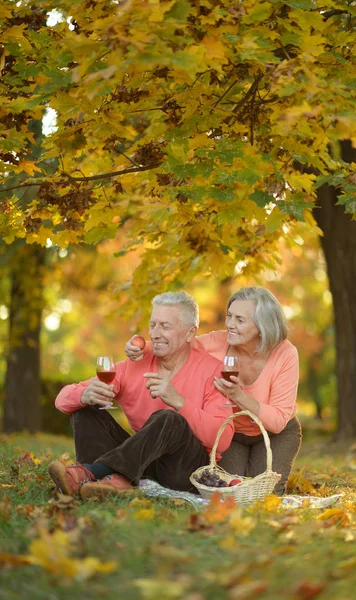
[(179, 121)]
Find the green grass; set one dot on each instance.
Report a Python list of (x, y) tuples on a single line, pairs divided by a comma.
[(165, 549)]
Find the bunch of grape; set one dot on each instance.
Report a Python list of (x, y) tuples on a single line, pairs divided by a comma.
[(210, 479)]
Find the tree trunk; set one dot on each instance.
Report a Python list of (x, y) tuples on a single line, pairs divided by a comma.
[(339, 246), (22, 382)]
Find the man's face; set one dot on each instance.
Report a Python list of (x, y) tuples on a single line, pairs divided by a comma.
[(168, 331)]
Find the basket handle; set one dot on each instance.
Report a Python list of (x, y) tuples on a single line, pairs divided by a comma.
[(263, 431)]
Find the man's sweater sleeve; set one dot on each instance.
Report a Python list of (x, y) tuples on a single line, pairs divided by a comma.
[(206, 421), (68, 399)]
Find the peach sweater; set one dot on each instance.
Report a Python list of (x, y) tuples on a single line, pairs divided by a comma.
[(275, 388), (194, 381)]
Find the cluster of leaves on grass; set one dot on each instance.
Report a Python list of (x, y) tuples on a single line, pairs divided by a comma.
[(150, 548)]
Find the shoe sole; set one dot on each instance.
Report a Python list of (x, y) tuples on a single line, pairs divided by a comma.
[(57, 471), (92, 490)]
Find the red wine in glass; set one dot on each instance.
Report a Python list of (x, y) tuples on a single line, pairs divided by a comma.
[(230, 368), (106, 372), (106, 376), (227, 375)]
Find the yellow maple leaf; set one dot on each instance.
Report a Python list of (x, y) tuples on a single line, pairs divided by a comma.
[(52, 552), (312, 45), (214, 48), (28, 167), (158, 11)]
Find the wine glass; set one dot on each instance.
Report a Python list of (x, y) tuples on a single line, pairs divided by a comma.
[(106, 372), (230, 367)]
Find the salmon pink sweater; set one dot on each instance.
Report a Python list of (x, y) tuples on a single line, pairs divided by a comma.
[(194, 381), (275, 389)]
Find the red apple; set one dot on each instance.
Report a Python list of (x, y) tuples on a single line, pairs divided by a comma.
[(139, 341), (235, 482)]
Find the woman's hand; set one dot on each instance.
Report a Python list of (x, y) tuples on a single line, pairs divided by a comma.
[(98, 393), (133, 352), (231, 389)]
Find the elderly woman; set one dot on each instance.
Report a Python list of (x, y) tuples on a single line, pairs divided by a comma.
[(266, 384)]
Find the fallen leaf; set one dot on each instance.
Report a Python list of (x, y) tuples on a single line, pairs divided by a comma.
[(28, 458), (63, 501), (145, 514), (229, 543), (5, 509), (218, 511), (247, 591), (66, 458), (12, 560), (165, 589), (196, 522), (298, 484), (30, 511), (307, 590), (241, 524), (53, 553), (334, 516), (178, 501)]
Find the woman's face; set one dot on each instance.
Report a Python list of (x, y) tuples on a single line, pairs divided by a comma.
[(241, 328)]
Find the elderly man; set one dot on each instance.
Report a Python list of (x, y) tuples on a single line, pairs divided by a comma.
[(170, 401)]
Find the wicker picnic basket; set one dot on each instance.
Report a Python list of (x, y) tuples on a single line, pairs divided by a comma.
[(250, 489)]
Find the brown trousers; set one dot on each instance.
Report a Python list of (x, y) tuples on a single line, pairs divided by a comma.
[(246, 455), (165, 449)]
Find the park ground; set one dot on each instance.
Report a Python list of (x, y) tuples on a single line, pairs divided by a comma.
[(135, 547)]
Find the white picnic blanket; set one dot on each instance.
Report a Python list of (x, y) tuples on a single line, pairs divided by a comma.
[(154, 489)]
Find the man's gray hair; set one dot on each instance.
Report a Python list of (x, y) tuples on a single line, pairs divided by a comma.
[(268, 316), (188, 304)]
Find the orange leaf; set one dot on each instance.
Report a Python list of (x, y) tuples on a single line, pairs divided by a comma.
[(219, 510), (12, 560), (197, 523), (307, 590), (5, 509)]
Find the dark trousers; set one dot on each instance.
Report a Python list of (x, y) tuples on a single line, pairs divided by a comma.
[(247, 454), (165, 449)]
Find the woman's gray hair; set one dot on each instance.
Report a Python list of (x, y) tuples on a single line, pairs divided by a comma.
[(188, 304), (268, 316)]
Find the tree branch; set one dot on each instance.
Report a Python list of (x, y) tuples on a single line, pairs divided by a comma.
[(333, 12), (224, 94), (71, 179), (251, 92)]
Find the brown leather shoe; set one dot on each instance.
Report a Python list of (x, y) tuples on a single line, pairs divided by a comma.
[(108, 486), (69, 479)]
